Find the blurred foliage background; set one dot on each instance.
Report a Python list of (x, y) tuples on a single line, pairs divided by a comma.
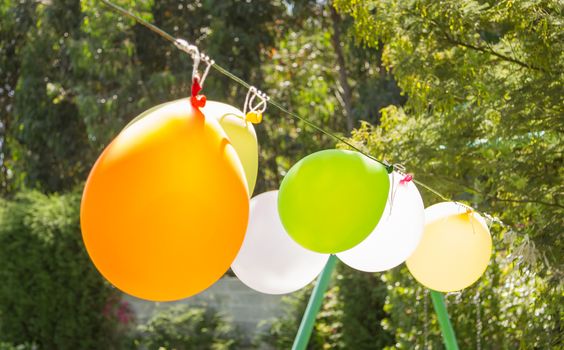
[(467, 94)]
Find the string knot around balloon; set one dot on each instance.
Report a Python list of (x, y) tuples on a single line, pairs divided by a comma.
[(198, 80), (407, 178), (252, 109)]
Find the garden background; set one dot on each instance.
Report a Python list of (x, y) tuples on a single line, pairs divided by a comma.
[(466, 94)]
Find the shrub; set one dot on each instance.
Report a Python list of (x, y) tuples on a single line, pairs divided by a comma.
[(50, 294), (184, 327), (350, 316), (282, 330), (8, 346)]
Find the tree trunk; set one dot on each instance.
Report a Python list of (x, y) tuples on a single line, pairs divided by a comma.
[(345, 92)]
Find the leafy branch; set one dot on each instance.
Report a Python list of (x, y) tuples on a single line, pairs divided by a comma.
[(493, 52), (486, 50), (556, 205)]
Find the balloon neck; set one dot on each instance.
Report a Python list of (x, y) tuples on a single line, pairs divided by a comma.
[(467, 215), (196, 87), (198, 101), (254, 117), (407, 178)]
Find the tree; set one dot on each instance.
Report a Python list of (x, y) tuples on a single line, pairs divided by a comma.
[(480, 123), (34, 59), (75, 73), (488, 77), (319, 71), (51, 295)]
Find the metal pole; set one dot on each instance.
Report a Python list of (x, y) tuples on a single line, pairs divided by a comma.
[(313, 306), (444, 322)]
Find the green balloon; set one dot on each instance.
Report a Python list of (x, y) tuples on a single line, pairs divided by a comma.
[(333, 199)]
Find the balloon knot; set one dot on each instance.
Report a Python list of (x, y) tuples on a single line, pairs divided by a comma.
[(196, 87), (407, 178), (254, 117), (198, 101)]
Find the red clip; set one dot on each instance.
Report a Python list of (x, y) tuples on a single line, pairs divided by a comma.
[(406, 179), (197, 101)]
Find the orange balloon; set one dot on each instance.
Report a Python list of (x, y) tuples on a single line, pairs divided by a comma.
[(165, 207)]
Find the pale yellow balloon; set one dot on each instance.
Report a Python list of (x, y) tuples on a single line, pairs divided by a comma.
[(455, 249), (242, 135)]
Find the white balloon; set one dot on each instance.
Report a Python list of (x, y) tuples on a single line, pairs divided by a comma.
[(397, 234), (269, 260)]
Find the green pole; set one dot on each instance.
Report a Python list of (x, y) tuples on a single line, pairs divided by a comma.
[(313, 305), (444, 322)]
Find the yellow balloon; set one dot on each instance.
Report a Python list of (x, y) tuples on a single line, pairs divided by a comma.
[(242, 135), (455, 249)]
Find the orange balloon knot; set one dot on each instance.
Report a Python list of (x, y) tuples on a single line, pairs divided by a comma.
[(407, 178), (196, 87), (254, 117), (198, 101)]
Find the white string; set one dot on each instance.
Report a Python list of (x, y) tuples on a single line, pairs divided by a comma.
[(193, 51), (209, 63), (392, 193), (400, 169), (260, 107), (245, 107)]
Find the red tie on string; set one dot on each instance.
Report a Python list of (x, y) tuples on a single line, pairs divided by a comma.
[(198, 101), (406, 179)]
